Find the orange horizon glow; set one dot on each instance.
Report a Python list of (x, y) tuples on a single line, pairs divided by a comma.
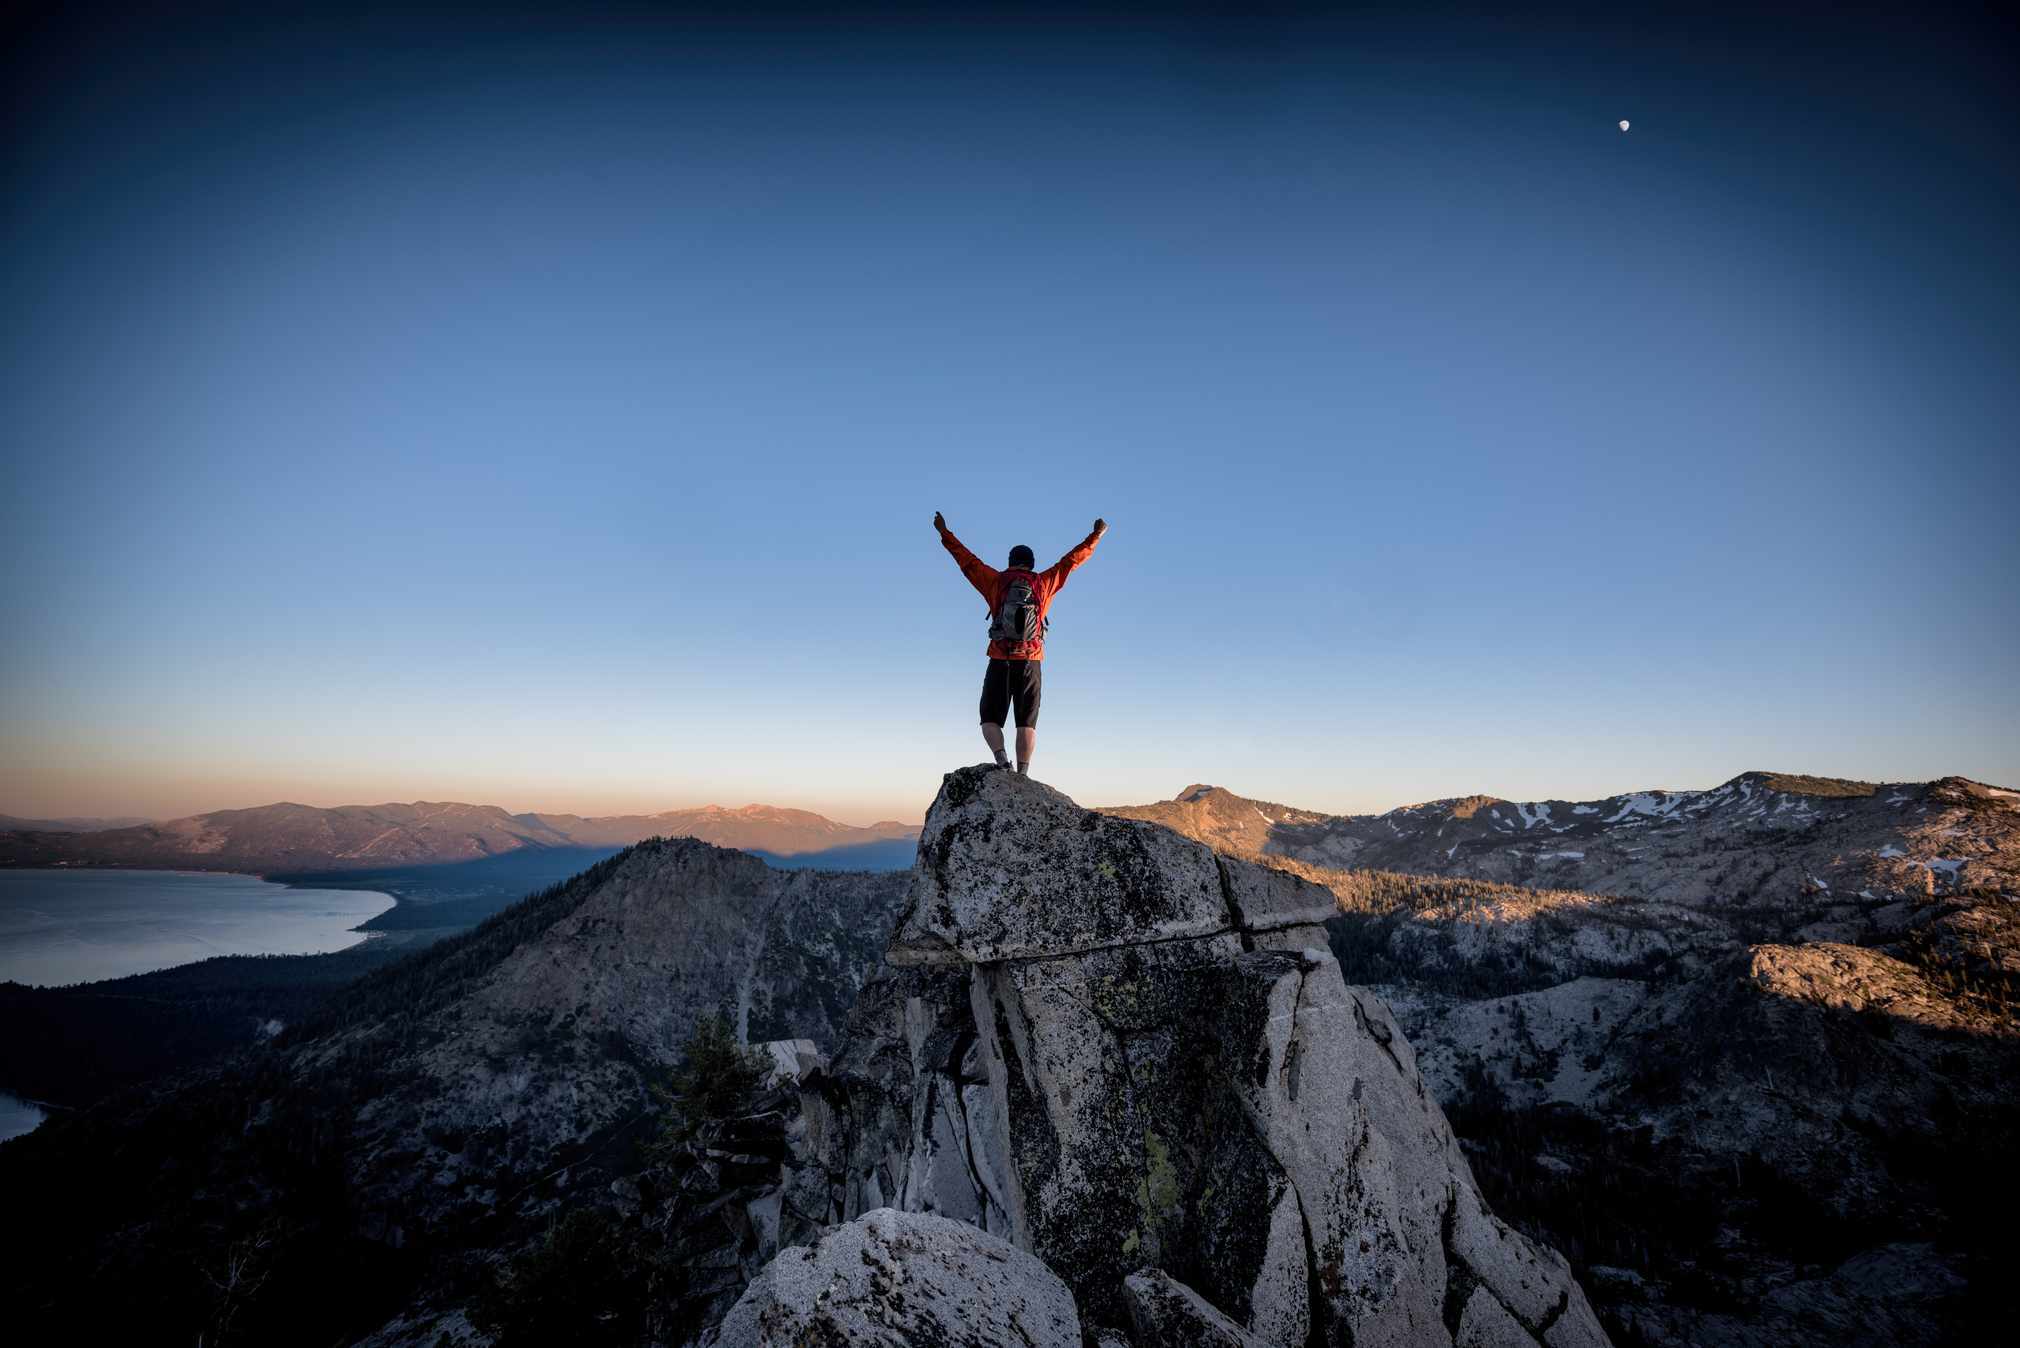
[(180, 798)]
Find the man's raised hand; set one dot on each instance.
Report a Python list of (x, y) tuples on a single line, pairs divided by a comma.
[(938, 521), (1100, 527)]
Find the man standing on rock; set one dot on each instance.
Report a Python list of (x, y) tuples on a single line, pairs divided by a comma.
[(1019, 598)]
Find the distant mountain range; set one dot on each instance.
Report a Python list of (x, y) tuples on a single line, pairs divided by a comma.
[(11, 823), (1763, 835), (291, 838)]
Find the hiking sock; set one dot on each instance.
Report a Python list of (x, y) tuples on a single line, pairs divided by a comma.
[(1002, 759), (1024, 767)]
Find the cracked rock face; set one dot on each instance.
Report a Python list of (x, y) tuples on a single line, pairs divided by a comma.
[(1159, 1068), (906, 1117), (903, 1278)]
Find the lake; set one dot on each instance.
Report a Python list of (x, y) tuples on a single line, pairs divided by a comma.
[(17, 1116), (79, 926)]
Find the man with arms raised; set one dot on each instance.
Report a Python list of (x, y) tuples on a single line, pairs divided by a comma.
[(1019, 598)]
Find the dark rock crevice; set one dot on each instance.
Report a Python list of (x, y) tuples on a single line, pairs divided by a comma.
[(1119, 1040), (1315, 1337), (1235, 920), (1459, 1279), (1379, 1033)]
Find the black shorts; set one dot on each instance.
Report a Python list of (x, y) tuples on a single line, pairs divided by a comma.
[(1011, 681)]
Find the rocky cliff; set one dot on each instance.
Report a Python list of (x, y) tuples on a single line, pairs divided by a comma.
[(1775, 1068), (1122, 1053)]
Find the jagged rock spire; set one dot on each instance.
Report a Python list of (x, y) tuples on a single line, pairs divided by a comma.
[(1125, 1053)]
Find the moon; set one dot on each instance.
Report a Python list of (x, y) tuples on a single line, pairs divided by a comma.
[(1623, 124)]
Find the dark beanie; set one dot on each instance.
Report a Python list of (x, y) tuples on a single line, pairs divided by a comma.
[(1023, 556)]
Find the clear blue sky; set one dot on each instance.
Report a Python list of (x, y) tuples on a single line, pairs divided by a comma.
[(552, 414)]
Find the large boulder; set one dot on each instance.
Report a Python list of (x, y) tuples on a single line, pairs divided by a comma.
[(1159, 1067), (891, 1279)]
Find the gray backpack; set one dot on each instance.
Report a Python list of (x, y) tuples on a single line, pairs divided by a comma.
[(1016, 618)]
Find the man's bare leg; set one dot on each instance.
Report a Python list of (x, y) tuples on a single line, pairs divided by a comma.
[(1027, 739), (992, 735)]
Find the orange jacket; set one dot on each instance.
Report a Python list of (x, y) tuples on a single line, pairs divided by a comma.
[(991, 583)]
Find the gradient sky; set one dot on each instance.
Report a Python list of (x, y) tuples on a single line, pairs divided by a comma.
[(551, 413)]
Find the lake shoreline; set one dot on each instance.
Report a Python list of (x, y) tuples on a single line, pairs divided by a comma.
[(73, 926), (285, 879), (20, 1115), (46, 1106)]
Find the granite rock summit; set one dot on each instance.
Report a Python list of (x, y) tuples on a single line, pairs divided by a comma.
[(1133, 1058)]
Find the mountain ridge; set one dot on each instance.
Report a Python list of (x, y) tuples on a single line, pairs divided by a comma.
[(287, 836), (1819, 835), (14, 823)]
